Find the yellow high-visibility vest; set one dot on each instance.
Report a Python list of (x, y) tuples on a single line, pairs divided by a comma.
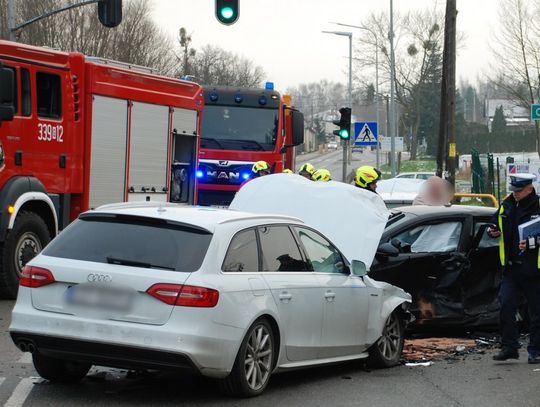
[(502, 253)]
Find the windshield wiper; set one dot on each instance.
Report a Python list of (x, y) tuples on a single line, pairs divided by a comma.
[(135, 263), (215, 141), (261, 147)]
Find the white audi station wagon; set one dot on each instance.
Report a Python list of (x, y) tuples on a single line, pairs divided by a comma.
[(231, 295)]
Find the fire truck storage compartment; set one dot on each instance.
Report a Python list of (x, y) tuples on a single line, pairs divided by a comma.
[(184, 133), (149, 141), (108, 155)]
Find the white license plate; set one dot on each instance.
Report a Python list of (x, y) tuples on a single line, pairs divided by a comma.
[(100, 297)]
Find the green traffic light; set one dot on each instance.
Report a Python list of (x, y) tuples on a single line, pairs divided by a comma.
[(344, 134), (227, 13)]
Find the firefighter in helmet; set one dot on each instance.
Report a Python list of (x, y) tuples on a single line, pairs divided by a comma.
[(322, 175), (260, 169), (307, 170), (367, 177), (287, 171)]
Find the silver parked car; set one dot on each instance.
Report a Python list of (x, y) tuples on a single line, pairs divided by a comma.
[(231, 295)]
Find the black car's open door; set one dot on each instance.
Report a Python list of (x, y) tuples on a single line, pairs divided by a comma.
[(430, 265)]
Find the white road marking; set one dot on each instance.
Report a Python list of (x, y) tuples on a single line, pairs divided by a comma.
[(20, 393), (26, 357), (2, 380)]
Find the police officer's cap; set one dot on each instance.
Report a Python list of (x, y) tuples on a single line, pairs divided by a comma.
[(520, 181)]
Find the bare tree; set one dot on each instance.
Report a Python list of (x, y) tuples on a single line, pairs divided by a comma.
[(517, 52), (316, 97), (137, 40), (213, 65), (418, 50)]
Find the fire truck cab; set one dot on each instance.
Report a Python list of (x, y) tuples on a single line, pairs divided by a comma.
[(239, 128), (77, 132)]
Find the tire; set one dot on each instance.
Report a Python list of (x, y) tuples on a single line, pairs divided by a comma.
[(386, 352), (250, 376), (58, 370), (27, 238)]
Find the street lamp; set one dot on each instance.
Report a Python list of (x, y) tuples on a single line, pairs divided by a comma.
[(376, 77), (393, 122), (346, 142)]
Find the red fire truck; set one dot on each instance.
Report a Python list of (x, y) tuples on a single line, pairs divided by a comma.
[(240, 127), (78, 132)]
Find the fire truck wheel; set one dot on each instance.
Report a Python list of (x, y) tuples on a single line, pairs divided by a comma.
[(27, 238)]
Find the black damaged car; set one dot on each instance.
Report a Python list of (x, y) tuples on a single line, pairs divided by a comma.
[(444, 258)]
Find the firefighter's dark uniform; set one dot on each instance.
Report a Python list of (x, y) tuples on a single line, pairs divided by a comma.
[(521, 275)]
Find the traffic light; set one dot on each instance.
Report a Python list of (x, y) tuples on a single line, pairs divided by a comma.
[(227, 11), (110, 12), (344, 124)]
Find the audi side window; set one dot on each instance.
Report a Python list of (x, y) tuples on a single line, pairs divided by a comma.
[(324, 257), (279, 250), (243, 253), (49, 100)]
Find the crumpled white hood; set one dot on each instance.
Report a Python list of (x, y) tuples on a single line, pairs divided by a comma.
[(353, 219)]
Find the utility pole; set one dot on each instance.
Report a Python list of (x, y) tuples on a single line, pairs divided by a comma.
[(447, 127), (393, 124), (11, 20)]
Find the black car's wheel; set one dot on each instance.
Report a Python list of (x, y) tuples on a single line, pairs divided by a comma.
[(254, 362), (58, 370), (386, 352), (27, 238)]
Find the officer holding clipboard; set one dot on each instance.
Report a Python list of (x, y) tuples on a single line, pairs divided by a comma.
[(520, 261)]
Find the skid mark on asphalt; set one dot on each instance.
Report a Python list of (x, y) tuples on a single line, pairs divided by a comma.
[(21, 392)]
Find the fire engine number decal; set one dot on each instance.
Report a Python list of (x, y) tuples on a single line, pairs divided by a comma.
[(50, 132)]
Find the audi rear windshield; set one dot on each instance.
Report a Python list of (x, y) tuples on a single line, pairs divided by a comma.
[(239, 128), (133, 242)]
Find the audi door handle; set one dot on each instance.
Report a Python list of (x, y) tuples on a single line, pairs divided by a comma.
[(330, 295), (285, 297)]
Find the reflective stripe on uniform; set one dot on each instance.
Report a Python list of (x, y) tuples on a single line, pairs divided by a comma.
[(502, 254)]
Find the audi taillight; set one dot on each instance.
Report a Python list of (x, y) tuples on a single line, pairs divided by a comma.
[(184, 295), (35, 277)]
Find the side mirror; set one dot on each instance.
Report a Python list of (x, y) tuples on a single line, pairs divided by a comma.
[(359, 268), (388, 250), (297, 128), (7, 94)]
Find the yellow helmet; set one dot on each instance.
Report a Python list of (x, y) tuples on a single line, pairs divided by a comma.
[(322, 175), (260, 166), (287, 171), (365, 175), (307, 168)]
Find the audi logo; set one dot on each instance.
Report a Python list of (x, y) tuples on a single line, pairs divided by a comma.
[(99, 278)]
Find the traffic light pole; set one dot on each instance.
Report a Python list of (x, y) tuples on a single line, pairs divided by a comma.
[(346, 146), (11, 16), (393, 123), (346, 142)]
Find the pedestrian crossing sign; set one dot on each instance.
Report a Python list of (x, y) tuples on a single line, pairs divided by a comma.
[(366, 133)]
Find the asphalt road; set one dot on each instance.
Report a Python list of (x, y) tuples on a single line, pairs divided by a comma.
[(475, 381), (333, 162)]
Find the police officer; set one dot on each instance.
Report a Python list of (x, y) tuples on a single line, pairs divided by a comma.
[(521, 267)]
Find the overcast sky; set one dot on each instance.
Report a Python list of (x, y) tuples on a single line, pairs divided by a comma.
[(284, 36)]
